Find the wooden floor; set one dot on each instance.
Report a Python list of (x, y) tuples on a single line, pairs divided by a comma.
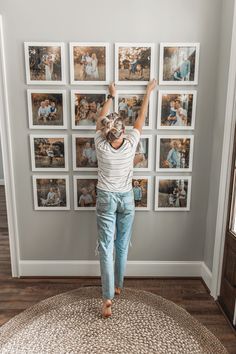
[(18, 294)]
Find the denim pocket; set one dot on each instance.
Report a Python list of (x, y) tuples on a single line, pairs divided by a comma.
[(128, 202), (103, 201)]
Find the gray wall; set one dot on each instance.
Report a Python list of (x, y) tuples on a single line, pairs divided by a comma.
[(71, 234), (218, 126), (1, 165)]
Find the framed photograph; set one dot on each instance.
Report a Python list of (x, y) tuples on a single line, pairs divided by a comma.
[(128, 104), (45, 63), (85, 107), (51, 192), (84, 153), (173, 193), (174, 153), (142, 192), (49, 152), (89, 63), (85, 192), (134, 63), (143, 154), (179, 63), (176, 110), (47, 109)]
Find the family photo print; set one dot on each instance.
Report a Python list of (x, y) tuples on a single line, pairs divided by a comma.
[(89, 63), (128, 104), (85, 107), (49, 152), (176, 110), (142, 192), (172, 193), (85, 192), (45, 63), (134, 63), (179, 63), (143, 154), (84, 153), (174, 153), (47, 109), (51, 192)]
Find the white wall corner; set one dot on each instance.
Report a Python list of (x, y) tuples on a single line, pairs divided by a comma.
[(206, 275)]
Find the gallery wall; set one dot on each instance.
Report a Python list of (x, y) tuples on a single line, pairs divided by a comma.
[(71, 235)]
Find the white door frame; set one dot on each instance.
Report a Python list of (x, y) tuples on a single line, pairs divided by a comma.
[(7, 155), (226, 162)]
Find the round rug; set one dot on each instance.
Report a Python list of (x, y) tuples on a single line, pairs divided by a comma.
[(141, 323)]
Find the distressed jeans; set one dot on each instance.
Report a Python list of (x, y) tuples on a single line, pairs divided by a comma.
[(115, 215)]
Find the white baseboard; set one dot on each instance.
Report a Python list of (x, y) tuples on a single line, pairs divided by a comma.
[(206, 275), (134, 268), (2, 182)]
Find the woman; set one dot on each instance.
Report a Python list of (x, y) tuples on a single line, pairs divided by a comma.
[(115, 199)]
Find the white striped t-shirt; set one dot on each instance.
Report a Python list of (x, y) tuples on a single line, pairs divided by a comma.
[(115, 166)]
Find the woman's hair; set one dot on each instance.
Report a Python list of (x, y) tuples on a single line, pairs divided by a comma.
[(112, 126)]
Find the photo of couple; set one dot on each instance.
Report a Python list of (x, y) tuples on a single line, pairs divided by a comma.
[(86, 107), (176, 109), (133, 63), (44, 62), (88, 62), (173, 193), (50, 192), (175, 153)]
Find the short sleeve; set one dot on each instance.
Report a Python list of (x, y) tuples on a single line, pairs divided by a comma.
[(98, 137), (134, 136)]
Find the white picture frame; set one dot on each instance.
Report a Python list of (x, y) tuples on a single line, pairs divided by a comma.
[(162, 93), (149, 191), (53, 177), (72, 69), (74, 155), (30, 109), (48, 136), (91, 92), (136, 92), (185, 178), (163, 45), (135, 45), (150, 153), (29, 79), (82, 177), (174, 137)]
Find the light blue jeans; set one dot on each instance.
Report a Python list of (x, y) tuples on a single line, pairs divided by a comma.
[(115, 215)]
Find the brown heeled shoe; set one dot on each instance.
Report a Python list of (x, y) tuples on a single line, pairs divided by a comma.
[(106, 308)]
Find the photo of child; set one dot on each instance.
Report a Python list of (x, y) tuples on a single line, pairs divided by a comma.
[(85, 192), (141, 187), (142, 158), (51, 192), (84, 153)]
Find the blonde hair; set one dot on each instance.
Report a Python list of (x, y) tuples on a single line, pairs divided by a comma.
[(112, 126)]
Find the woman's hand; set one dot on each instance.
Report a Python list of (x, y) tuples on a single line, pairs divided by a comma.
[(112, 89), (151, 85)]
